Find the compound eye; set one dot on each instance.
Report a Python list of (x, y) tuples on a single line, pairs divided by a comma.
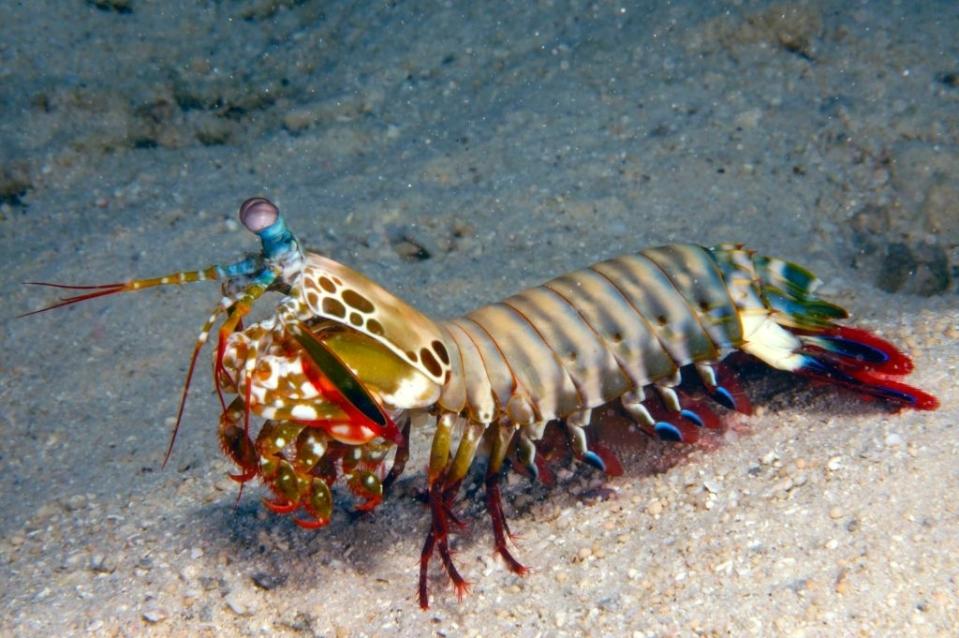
[(258, 213)]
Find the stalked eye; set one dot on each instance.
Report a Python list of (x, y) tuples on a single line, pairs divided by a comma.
[(258, 213)]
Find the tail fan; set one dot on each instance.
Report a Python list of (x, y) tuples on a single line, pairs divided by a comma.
[(861, 361), (841, 355)]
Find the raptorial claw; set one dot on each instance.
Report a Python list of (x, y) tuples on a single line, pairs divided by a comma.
[(280, 506), (245, 476), (316, 523), (368, 505)]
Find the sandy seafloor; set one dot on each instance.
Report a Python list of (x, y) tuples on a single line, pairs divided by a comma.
[(456, 155)]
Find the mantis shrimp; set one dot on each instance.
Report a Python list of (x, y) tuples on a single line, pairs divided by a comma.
[(342, 369)]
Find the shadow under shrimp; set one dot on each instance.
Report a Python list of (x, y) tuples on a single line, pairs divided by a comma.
[(263, 547), (250, 537)]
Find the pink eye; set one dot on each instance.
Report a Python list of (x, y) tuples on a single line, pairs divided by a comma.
[(258, 213)]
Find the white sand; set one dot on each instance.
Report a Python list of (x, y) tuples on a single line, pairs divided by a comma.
[(512, 144)]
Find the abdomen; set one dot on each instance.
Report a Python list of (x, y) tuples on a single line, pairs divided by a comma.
[(584, 339)]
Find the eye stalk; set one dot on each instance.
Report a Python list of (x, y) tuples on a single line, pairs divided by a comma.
[(258, 213), (261, 217)]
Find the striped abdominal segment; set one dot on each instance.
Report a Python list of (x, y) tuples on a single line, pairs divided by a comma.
[(584, 339)]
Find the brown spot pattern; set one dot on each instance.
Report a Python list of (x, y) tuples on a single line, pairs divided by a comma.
[(430, 363), (312, 298), (441, 352), (333, 307), (411, 355), (358, 301), (328, 285), (375, 327), (356, 319)]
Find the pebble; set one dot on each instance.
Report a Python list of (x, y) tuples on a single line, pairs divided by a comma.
[(654, 507), (268, 580), (74, 502), (239, 603), (560, 618), (783, 485), (103, 564), (893, 440), (154, 615), (842, 583), (749, 119), (301, 118), (119, 6)]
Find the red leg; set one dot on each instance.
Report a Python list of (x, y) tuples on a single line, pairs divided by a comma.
[(494, 505), (425, 556), (460, 584), (247, 475), (449, 497), (399, 461), (441, 502)]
